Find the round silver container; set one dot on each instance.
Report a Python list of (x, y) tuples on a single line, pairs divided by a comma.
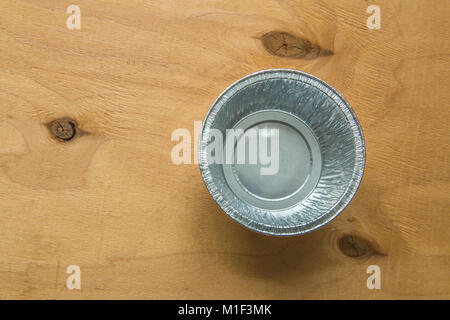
[(320, 152)]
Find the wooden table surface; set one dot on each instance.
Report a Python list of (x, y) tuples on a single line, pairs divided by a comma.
[(111, 200)]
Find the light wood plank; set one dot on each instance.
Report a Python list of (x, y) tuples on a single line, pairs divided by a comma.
[(111, 200)]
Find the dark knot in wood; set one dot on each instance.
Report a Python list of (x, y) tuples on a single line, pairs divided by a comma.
[(355, 247), (284, 44), (63, 129)]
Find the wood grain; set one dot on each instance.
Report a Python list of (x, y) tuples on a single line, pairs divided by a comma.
[(111, 201)]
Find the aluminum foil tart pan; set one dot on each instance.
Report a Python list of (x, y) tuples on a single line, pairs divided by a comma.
[(281, 152)]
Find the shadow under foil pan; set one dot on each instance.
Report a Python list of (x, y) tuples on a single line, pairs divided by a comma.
[(320, 154)]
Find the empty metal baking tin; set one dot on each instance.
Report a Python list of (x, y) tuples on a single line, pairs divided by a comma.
[(313, 152)]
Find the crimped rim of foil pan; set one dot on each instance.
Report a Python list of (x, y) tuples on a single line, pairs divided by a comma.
[(326, 201)]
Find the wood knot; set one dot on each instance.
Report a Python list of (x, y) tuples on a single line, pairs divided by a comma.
[(63, 129), (355, 247), (284, 44)]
